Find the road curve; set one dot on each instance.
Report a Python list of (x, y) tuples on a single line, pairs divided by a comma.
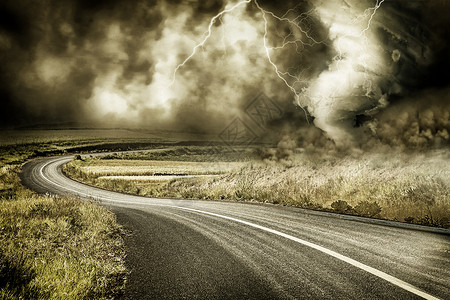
[(220, 250)]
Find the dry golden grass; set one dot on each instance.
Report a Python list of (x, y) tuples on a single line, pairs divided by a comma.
[(411, 187), (151, 178), (59, 249), (116, 167), (56, 248)]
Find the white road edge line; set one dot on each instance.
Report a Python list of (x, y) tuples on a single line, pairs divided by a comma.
[(376, 272), (394, 280)]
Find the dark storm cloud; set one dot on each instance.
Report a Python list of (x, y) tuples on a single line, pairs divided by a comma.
[(113, 62), (418, 121), (50, 54), (380, 61), (15, 23), (438, 23), (419, 113)]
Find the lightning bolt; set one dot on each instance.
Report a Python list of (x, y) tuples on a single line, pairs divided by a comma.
[(363, 32), (207, 35), (267, 49), (375, 8), (286, 42), (285, 76), (289, 79)]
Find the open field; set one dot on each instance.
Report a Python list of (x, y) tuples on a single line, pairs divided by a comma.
[(17, 146), (148, 172), (46, 249), (412, 187), (63, 248), (155, 167), (51, 247), (94, 136)]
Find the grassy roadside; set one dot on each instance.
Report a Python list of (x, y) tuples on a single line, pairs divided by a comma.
[(56, 248), (52, 247), (411, 188), (62, 248)]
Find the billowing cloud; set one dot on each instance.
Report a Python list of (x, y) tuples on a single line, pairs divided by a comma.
[(418, 121), (357, 68)]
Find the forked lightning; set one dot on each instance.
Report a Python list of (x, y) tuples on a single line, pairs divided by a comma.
[(290, 80)]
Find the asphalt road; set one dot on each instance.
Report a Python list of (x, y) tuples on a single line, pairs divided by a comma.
[(184, 249)]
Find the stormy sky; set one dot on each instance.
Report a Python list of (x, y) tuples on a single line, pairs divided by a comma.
[(372, 72)]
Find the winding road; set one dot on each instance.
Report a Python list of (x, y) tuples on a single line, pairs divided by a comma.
[(186, 249)]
